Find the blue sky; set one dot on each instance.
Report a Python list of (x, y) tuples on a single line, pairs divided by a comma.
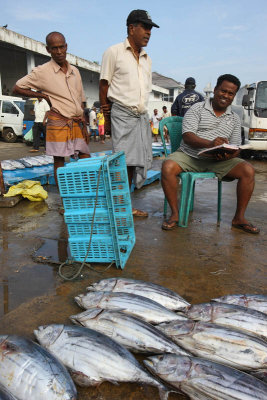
[(199, 38)]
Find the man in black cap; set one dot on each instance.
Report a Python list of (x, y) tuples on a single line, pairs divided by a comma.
[(125, 84), (186, 99)]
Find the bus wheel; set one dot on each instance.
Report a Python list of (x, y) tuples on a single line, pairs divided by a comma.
[(9, 135)]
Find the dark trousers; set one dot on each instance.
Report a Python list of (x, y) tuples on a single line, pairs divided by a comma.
[(37, 129)]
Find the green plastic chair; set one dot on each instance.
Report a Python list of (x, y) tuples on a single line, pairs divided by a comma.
[(188, 179)]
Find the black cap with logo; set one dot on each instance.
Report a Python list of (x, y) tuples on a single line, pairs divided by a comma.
[(140, 16), (190, 81)]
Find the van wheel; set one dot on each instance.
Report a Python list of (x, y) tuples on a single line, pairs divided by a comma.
[(9, 135)]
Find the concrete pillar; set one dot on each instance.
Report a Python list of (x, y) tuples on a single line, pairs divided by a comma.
[(30, 61)]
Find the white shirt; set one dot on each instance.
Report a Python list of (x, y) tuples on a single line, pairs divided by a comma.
[(166, 115), (130, 81), (155, 120), (92, 120), (40, 108)]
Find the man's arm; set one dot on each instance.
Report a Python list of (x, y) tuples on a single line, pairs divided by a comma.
[(192, 140), (175, 107), (105, 103), (30, 93)]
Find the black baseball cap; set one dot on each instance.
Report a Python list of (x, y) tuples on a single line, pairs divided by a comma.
[(140, 16), (190, 81)]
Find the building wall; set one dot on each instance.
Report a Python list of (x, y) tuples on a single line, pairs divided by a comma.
[(16, 62)]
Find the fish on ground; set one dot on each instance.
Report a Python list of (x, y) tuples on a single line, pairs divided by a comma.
[(256, 302), (80, 350), (205, 380), (218, 343), (158, 293), (5, 394), (138, 306), (131, 332), (30, 372), (230, 315)]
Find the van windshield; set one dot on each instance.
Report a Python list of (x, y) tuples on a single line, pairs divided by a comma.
[(261, 95), (20, 105)]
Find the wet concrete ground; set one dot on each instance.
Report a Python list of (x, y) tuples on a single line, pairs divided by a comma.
[(199, 262)]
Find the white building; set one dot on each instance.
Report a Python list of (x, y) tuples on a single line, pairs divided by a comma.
[(20, 54)]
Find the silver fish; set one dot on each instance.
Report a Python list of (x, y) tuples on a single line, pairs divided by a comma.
[(230, 315), (205, 380), (38, 159), (158, 293), (25, 163), (131, 332), (138, 306), (81, 350), (7, 165), (31, 372), (256, 302), (5, 394), (218, 343), (18, 164), (32, 161)]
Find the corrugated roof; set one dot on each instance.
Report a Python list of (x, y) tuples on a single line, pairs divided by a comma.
[(165, 82)]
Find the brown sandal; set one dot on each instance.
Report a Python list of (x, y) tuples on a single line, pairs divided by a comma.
[(139, 213), (169, 225)]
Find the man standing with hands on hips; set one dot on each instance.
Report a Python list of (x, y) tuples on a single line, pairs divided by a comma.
[(125, 84)]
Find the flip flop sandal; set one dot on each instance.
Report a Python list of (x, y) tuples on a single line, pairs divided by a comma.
[(139, 213), (169, 225), (249, 228)]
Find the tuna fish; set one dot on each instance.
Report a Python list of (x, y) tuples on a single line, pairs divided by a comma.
[(25, 163), (5, 395), (138, 306), (205, 380), (256, 302), (32, 161), (30, 372), (230, 315), (218, 343), (131, 332), (81, 350), (7, 165), (160, 294)]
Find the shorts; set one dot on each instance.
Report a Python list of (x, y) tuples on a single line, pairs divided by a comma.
[(155, 131), (191, 164), (94, 132), (101, 130)]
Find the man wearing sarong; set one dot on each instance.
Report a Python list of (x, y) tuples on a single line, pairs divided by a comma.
[(61, 86), (125, 84)]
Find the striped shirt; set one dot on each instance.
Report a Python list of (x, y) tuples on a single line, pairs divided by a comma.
[(201, 120)]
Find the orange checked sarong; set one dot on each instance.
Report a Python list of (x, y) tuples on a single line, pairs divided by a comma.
[(65, 137)]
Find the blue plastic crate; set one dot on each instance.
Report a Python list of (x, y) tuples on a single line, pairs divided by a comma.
[(79, 182)]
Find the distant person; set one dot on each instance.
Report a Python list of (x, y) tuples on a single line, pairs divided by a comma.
[(208, 124), (39, 127), (61, 86), (185, 100), (155, 124), (93, 123), (165, 114), (125, 84), (101, 125)]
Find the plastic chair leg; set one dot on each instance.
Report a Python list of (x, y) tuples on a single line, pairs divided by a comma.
[(219, 202), (192, 198), (165, 208), (183, 217)]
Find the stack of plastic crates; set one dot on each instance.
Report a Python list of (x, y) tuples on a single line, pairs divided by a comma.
[(98, 210)]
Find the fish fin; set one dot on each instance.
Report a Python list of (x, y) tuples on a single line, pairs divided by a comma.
[(113, 382), (163, 394)]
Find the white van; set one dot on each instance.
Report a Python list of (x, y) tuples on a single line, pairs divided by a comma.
[(11, 117), (251, 100)]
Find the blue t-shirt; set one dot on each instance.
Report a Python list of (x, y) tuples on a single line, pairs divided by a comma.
[(184, 101)]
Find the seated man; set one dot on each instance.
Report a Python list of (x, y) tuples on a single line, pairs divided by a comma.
[(208, 124)]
